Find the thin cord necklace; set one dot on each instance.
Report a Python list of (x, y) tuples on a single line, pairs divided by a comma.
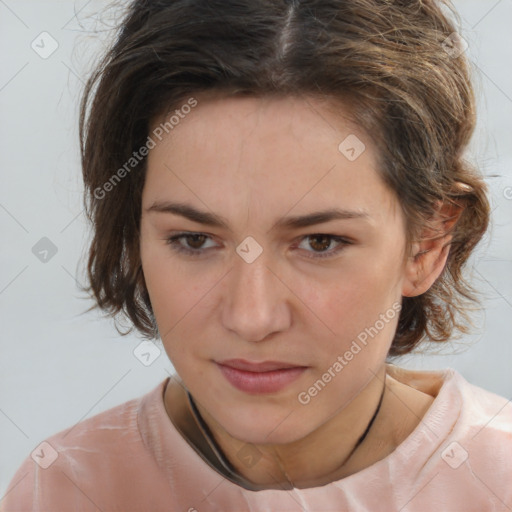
[(365, 433), (230, 470)]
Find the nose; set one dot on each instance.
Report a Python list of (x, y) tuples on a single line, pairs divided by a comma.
[(256, 301)]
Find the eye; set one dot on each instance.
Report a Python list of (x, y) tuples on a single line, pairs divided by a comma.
[(321, 242), (195, 243)]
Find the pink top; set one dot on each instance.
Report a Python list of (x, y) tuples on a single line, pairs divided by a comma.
[(132, 458)]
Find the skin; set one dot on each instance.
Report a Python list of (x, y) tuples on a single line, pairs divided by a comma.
[(253, 161)]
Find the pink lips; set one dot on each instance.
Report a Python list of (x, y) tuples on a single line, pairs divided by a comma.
[(264, 377)]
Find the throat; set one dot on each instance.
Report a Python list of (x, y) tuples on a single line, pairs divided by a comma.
[(392, 415)]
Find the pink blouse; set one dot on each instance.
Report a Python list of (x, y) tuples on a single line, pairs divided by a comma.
[(132, 458)]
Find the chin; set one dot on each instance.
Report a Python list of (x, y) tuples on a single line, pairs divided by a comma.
[(261, 428)]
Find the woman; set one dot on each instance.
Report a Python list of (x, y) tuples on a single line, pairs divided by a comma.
[(278, 193)]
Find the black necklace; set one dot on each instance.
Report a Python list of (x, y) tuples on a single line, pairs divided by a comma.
[(365, 433), (230, 470)]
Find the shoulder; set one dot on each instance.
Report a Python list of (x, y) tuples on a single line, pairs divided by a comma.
[(471, 410), (106, 451), (467, 413), (485, 417), (459, 457), (474, 453), (483, 434)]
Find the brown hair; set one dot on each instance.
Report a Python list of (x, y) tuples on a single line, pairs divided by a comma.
[(391, 61)]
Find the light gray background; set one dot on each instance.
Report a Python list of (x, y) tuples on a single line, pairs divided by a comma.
[(58, 366)]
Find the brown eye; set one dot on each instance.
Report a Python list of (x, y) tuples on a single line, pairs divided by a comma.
[(195, 241), (320, 242), (191, 244)]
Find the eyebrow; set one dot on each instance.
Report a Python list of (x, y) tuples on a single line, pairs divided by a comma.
[(291, 222)]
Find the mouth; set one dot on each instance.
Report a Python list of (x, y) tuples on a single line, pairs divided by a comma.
[(257, 378)]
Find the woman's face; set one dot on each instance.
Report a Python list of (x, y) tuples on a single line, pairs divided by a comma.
[(265, 189)]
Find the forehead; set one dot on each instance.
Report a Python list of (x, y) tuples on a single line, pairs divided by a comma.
[(313, 117), (284, 152)]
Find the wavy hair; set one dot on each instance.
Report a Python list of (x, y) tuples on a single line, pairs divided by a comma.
[(395, 64)]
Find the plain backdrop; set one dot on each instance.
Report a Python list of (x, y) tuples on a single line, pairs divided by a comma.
[(58, 365)]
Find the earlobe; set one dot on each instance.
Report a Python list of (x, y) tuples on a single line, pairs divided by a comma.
[(429, 255)]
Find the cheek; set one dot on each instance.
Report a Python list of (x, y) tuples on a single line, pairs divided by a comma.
[(173, 297), (344, 303), (166, 290), (180, 300)]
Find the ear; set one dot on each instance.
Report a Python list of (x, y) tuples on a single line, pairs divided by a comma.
[(429, 254)]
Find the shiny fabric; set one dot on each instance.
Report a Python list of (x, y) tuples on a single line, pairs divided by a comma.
[(133, 458)]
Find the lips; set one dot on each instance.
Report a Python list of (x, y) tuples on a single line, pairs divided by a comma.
[(257, 378), (265, 366)]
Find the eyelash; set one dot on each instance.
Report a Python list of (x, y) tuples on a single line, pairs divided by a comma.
[(174, 242)]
